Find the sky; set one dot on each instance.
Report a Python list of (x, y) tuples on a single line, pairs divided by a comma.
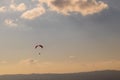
[(77, 35)]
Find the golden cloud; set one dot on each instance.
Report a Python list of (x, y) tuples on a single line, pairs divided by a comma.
[(21, 7), (33, 13), (84, 7), (2, 9), (10, 22)]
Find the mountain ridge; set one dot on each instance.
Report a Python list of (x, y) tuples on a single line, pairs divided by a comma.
[(93, 75)]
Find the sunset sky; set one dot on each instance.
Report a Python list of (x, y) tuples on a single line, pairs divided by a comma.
[(78, 36)]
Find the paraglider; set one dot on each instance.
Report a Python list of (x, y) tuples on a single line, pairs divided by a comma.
[(39, 46)]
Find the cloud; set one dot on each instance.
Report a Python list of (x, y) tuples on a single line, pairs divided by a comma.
[(10, 22), (34, 62), (21, 7), (113, 63), (33, 13), (65, 7), (102, 65), (33, 0), (72, 57), (3, 62), (2, 9), (84, 7), (29, 61)]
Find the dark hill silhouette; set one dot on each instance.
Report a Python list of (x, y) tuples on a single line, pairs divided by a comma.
[(96, 75)]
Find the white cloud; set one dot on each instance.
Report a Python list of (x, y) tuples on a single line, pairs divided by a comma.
[(10, 22), (2, 9), (33, 13), (21, 7), (85, 7)]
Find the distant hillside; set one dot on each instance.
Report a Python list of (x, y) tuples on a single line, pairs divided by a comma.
[(96, 75)]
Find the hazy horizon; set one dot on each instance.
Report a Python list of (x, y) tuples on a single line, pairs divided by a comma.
[(77, 35), (66, 73)]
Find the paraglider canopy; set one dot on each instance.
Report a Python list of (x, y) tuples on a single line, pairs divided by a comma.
[(41, 46)]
